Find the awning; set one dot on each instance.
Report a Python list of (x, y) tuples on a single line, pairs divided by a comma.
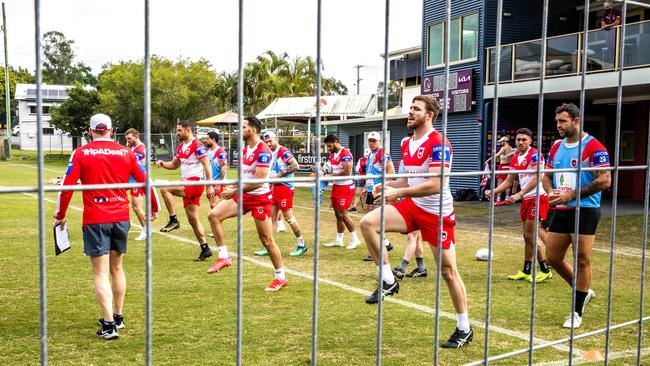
[(302, 109), (226, 118)]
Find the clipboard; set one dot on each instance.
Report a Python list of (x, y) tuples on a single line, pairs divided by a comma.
[(61, 239)]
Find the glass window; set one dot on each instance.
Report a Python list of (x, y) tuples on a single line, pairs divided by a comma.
[(435, 54), (454, 41), (463, 42), (470, 36)]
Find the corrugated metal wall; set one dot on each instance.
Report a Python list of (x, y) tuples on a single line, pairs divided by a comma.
[(397, 130), (463, 131)]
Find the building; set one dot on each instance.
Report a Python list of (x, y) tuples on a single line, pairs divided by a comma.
[(472, 50), (53, 95)]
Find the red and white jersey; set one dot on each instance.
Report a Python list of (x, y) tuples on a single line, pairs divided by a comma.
[(102, 161), (140, 153), (190, 155), (337, 160), (258, 156), (526, 161), (420, 155)]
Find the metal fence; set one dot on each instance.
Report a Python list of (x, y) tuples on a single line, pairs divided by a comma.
[(163, 143)]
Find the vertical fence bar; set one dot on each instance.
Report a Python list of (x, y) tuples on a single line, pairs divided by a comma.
[(317, 191), (495, 117), (382, 224), (644, 249), (540, 122), (41, 177), (617, 147), (240, 190), (7, 94), (445, 110), (576, 243), (147, 133)]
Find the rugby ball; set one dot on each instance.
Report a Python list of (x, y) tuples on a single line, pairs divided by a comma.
[(482, 254), (326, 168)]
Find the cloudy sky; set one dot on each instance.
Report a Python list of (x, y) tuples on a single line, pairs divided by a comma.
[(109, 31)]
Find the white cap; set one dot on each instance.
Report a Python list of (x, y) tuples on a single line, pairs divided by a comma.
[(374, 135), (100, 118), (503, 139), (269, 134)]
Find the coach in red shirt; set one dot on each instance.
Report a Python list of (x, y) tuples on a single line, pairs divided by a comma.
[(105, 215)]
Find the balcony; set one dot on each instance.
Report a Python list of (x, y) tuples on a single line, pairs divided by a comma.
[(521, 61)]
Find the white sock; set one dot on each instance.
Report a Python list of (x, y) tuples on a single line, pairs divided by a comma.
[(386, 242), (462, 322), (300, 241), (339, 237), (387, 274), (223, 252), (353, 236), (281, 224), (279, 274), (144, 229)]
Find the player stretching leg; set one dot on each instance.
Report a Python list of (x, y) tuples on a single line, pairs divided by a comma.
[(192, 158), (526, 159), (419, 209), (256, 159)]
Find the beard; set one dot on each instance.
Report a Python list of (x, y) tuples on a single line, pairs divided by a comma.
[(415, 124)]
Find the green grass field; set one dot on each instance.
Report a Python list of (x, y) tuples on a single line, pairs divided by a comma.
[(194, 313)]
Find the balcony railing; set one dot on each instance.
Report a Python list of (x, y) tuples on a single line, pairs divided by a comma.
[(521, 61)]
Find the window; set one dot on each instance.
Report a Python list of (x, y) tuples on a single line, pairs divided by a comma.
[(436, 43), (48, 131), (463, 44), (32, 109)]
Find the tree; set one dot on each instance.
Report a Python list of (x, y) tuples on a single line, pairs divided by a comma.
[(271, 76), (59, 66), (20, 76), (180, 90), (394, 94), (73, 115)]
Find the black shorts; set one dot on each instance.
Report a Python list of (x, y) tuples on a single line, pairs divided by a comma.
[(549, 216), (370, 200), (100, 239), (564, 221), (360, 183)]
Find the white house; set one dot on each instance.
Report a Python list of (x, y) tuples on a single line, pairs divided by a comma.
[(53, 95)]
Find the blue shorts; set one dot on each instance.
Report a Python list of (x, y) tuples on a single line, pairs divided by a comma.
[(100, 239)]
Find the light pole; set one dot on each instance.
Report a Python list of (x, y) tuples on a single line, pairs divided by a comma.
[(358, 67)]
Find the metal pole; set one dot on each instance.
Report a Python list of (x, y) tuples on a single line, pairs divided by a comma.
[(445, 112), (147, 133), (7, 91), (240, 186), (540, 159), (495, 117), (644, 249), (617, 143), (382, 224), (309, 127), (41, 181), (317, 195)]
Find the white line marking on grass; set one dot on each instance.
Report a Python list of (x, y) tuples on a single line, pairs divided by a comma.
[(611, 356), (408, 304), (62, 171)]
